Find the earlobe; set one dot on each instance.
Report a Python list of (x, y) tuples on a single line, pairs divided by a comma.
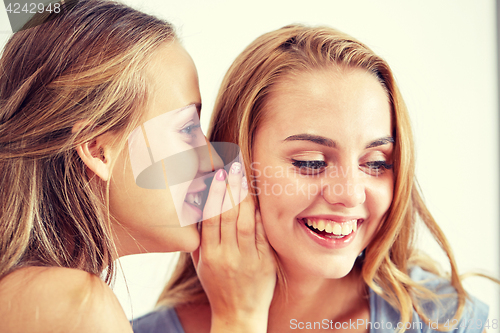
[(93, 155)]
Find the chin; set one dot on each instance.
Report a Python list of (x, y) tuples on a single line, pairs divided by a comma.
[(174, 239), (327, 268), (188, 239), (340, 271)]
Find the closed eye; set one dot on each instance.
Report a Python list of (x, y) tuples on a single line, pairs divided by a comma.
[(378, 167), (309, 167)]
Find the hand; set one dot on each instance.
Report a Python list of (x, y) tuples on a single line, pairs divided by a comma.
[(235, 262)]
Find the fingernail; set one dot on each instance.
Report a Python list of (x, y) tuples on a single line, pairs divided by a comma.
[(221, 174), (236, 168), (244, 183)]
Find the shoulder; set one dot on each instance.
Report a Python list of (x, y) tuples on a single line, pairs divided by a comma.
[(52, 299), (161, 320), (441, 310)]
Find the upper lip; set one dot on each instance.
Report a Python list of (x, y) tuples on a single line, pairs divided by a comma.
[(335, 218), (197, 186)]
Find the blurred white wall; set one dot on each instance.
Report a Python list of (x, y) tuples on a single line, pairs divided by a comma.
[(443, 54)]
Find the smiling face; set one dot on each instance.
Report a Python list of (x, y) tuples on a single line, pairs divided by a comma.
[(323, 164), (151, 209)]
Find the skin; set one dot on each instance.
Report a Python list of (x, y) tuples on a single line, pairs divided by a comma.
[(233, 248), (351, 108), (146, 216), (53, 299)]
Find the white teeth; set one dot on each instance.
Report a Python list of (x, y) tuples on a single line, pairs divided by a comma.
[(331, 227), (337, 229), (194, 198), (197, 199), (346, 229), (321, 225)]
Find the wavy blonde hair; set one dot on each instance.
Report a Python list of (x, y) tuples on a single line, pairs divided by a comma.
[(239, 111), (84, 65)]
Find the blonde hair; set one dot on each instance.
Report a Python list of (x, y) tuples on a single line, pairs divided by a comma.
[(239, 111), (82, 66)]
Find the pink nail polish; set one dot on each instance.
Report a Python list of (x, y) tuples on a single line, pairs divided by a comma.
[(221, 174), (244, 183)]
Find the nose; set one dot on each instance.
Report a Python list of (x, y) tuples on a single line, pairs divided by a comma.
[(209, 159), (344, 188)]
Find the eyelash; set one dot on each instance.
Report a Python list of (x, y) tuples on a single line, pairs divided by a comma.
[(378, 166), (315, 165), (189, 129), (308, 164)]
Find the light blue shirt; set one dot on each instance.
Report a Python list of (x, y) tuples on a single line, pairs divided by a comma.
[(383, 317)]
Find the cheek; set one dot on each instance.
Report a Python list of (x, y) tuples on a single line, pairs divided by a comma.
[(380, 195), (182, 169), (187, 164), (183, 165), (283, 195)]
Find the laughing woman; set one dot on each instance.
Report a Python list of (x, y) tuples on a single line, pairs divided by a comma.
[(77, 91), (329, 151)]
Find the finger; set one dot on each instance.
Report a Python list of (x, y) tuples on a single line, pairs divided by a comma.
[(244, 188), (246, 227), (210, 235), (230, 207), (195, 256), (234, 185), (261, 241)]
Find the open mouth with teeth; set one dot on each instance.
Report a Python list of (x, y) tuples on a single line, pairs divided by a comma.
[(331, 229), (196, 199)]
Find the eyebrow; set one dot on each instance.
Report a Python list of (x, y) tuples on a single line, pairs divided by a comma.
[(380, 142), (321, 140), (197, 105)]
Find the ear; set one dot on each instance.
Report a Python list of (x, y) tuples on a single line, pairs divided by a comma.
[(95, 155)]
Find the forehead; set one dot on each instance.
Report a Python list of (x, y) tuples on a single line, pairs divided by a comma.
[(331, 88), (330, 100), (172, 80)]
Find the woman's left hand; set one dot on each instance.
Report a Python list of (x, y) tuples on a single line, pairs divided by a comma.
[(235, 262)]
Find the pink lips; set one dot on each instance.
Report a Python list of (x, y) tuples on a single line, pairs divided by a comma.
[(195, 209), (334, 218)]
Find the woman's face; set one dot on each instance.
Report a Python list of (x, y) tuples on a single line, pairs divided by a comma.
[(323, 164), (150, 210)]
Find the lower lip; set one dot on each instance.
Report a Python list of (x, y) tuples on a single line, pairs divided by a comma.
[(330, 243), (195, 209)]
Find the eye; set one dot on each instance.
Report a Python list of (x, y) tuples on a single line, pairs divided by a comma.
[(309, 167), (189, 129), (377, 167)]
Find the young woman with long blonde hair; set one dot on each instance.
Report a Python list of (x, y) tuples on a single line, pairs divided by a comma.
[(328, 147), (80, 91)]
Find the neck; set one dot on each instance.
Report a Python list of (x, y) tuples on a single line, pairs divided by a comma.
[(308, 298)]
